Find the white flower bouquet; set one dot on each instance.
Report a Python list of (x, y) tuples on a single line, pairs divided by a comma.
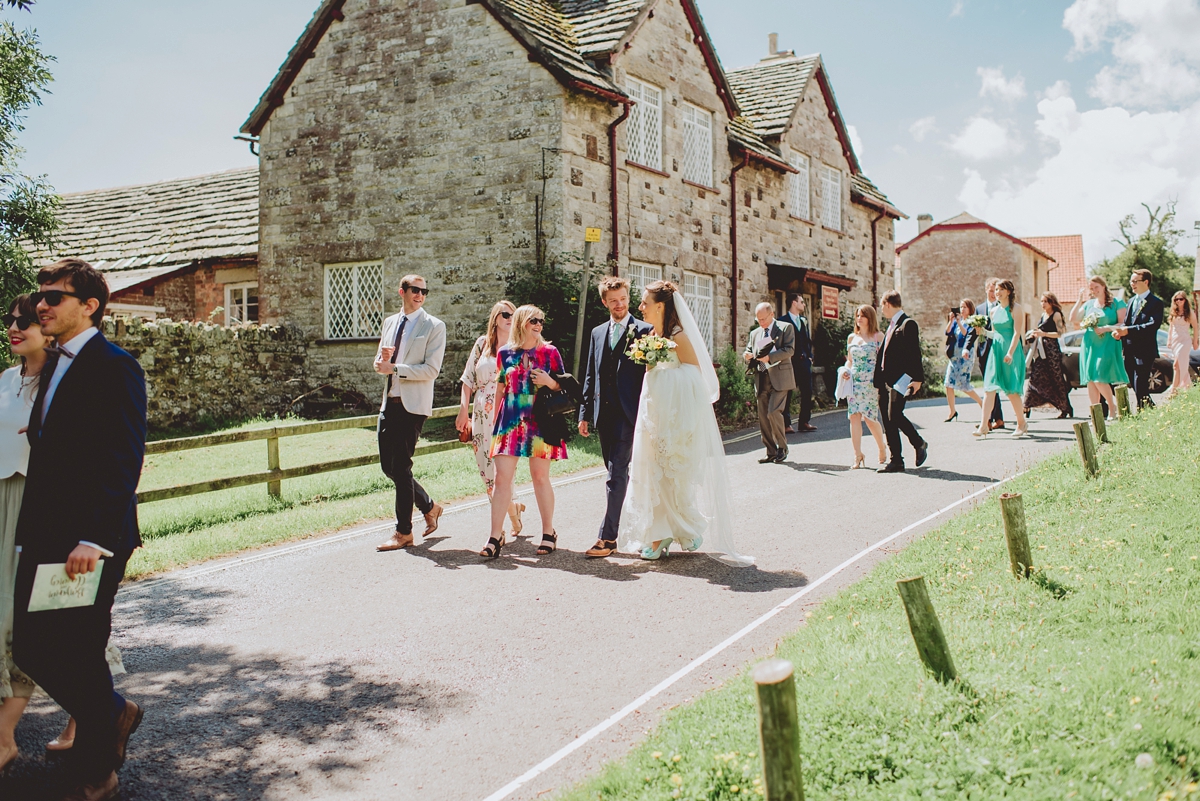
[(651, 349), (978, 321), (1090, 320)]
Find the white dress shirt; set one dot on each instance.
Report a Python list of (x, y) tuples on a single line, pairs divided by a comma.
[(409, 323), (621, 326)]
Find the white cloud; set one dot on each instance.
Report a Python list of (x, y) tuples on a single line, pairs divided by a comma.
[(1154, 44), (983, 139), (922, 128), (957, 10), (855, 141), (993, 82)]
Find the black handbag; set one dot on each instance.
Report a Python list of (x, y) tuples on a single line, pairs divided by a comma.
[(558, 401)]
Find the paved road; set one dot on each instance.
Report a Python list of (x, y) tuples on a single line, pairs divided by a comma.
[(327, 671)]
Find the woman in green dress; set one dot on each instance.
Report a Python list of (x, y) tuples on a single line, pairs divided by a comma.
[(1101, 360), (1006, 359)]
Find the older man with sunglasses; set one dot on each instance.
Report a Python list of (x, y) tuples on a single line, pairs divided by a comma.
[(411, 348), (87, 437)]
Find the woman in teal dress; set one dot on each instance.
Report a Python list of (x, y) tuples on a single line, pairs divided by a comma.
[(1101, 360), (1006, 359)]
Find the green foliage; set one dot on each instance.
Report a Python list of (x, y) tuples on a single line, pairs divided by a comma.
[(28, 206), (737, 402), (829, 341), (1153, 250)]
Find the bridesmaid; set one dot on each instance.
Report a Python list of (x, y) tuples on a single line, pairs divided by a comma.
[(863, 404), (1183, 337), (1047, 381), (479, 379), (526, 363), (1006, 361), (1101, 360), (958, 371)]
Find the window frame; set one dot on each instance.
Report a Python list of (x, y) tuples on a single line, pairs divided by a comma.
[(697, 151), (364, 328), (646, 113), (706, 322), (229, 304), (803, 166), (828, 197), (636, 273)]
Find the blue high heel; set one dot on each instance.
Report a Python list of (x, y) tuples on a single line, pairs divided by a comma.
[(695, 546), (663, 549)]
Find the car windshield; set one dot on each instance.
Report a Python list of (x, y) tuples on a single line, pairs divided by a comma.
[(1162, 338), (1071, 338)]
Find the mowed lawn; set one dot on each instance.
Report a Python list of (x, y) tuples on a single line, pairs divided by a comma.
[(188, 530), (1084, 684)]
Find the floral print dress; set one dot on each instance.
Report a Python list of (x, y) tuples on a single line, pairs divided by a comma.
[(864, 398), (516, 432), (479, 375)]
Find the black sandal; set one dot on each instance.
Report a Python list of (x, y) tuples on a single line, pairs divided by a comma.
[(549, 544), (492, 549)]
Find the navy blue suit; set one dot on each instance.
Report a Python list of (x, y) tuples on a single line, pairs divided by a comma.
[(612, 388), (802, 361), (1140, 344), (84, 466)]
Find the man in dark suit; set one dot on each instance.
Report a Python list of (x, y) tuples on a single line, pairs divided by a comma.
[(88, 435), (985, 349), (899, 357), (769, 350), (1139, 334), (802, 361), (612, 387)]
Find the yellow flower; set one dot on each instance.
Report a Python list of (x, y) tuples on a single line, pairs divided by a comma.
[(637, 354), (656, 755), (676, 779), (676, 758)]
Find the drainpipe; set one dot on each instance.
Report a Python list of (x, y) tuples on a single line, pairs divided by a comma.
[(733, 280), (612, 158), (875, 259)]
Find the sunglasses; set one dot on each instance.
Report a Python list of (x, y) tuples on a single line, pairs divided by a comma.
[(506, 315), (417, 290), (536, 321), (23, 323), (53, 297)]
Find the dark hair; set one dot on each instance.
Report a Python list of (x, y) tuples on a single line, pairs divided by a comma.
[(1144, 275), (1052, 299), (23, 304), (664, 292), (892, 298), (1008, 286), (792, 297), (85, 281), (1187, 306), (968, 303)]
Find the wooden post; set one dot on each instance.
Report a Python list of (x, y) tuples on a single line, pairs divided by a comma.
[(584, 281), (1087, 448), (779, 730), (1122, 391), (1098, 422), (1012, 508), (926, 629), (274, 488)]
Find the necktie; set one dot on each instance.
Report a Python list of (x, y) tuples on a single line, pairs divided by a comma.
[(1135, 308), (396, 349), (614, 334), (887, 340)]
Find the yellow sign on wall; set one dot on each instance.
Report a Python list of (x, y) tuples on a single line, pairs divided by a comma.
[(591, 235)]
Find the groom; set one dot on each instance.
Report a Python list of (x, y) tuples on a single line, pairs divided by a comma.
[(612, 386)]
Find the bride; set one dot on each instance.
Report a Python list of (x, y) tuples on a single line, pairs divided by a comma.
[(678, 485)]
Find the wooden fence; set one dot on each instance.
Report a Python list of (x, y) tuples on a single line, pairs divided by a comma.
[(274, 475)]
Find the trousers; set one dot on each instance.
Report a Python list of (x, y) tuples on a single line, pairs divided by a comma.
[(616, 445), (770, 420), (398, 433), (803, 370), (891, 410)]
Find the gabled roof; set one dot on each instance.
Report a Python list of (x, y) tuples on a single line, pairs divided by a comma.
[(601, 25), (864, 192), (161, 224), (967, 222), (1070, 274), (743, 137), (769, 91)]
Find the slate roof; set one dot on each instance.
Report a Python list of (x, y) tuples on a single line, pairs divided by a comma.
[(768, 92), (600, 25), (743, 135), (1070, 275), (161, 224), (863, 191)]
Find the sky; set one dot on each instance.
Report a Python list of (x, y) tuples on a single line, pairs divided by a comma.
[(1042, 117)]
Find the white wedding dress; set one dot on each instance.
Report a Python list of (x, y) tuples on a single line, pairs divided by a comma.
[(678, 482)]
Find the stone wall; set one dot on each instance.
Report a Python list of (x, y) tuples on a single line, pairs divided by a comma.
[(197, 372)]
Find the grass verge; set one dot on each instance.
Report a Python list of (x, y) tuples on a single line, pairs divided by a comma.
[(185, 531), (1070, 681)]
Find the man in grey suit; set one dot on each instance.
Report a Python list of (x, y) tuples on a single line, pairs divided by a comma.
[(769, 352), (411, 348)]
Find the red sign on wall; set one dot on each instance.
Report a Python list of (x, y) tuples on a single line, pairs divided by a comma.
[(829, 302)]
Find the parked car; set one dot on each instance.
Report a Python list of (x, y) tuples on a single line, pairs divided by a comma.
[(1160, 378)]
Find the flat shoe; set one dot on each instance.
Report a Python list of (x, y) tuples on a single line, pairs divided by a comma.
[(60, 744), (432, 517), (127, 723), (602, 548), (397, 542)]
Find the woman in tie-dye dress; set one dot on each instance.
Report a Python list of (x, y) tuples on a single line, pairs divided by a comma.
[(524, 364)]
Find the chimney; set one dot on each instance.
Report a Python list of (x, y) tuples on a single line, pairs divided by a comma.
[(923, 223), (773, 43)]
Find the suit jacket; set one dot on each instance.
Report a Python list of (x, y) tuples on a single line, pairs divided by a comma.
[(420, 362), (901, 355), (780, 377), (804, 344), (985, 344), (86, 459), (629, 374), (1142, 340)]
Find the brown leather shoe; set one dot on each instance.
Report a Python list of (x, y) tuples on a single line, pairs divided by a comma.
[(806, 428), (602, 548), (127, 724), (107, 790), (431, 518), (397, 542)]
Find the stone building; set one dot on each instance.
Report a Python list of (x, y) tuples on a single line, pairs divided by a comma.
[(184, 249), (470, 139), (952, 260)]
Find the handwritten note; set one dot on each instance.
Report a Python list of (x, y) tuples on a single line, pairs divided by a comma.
[(52, 589)]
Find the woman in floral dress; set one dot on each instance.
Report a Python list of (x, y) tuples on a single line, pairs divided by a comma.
[(524, 364), (1101, 361), (863, 404), (479, 379), (960, 343)]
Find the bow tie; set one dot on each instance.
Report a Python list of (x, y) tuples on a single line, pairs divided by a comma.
[(57, 350)]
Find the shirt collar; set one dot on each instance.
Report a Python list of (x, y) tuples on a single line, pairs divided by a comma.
[(412, 317), (76, 343), (1144, 295), (896, 316)]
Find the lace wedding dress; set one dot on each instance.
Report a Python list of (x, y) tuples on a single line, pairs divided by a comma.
[(678, 482)]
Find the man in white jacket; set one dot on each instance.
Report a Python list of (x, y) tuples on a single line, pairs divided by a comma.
[(411, 348)]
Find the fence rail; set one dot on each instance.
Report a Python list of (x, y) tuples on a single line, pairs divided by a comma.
[(274, 474)]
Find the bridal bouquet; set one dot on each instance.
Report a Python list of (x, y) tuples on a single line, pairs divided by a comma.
[(1090, 320), (651, 349), (978, 321)]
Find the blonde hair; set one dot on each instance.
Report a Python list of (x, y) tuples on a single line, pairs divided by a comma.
[(868, 314), (521, 316), (611, 283), (493, 344)]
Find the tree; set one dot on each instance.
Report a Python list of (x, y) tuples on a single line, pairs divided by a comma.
[(28, 206), (1153, 250)]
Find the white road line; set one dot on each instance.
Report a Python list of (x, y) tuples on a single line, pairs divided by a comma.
[(632, 706)]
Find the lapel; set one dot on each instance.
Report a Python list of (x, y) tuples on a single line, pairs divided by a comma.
[(414, 330), (74, 375)]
